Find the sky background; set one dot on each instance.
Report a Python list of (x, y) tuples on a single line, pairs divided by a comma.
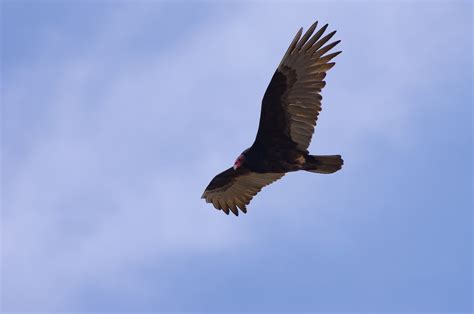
[(116, 115)]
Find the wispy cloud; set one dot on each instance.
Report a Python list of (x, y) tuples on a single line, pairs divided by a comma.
[(107, 147)]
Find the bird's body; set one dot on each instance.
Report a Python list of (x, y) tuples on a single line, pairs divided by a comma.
[(290, 108)]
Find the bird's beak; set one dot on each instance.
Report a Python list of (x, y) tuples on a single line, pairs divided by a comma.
[(235, 167)]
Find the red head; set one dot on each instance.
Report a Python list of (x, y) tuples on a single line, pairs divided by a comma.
[(239, 161)]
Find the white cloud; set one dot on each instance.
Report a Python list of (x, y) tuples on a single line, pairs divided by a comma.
[(113, 177)]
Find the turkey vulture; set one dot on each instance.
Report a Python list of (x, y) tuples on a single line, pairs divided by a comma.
[(290, 108)]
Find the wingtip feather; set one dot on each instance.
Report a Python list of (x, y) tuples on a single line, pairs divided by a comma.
[(305, 37)]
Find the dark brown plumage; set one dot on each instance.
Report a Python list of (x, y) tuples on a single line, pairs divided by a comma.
[(290, 109)]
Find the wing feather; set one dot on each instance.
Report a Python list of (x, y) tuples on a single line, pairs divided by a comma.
[(292, 102), (233, 189)]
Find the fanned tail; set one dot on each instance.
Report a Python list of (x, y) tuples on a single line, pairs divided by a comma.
[(323, 164)]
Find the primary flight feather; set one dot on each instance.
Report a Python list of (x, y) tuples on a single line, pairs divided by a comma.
[(290, 109)]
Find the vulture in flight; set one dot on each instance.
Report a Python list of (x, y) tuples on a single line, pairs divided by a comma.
[(290, 108)]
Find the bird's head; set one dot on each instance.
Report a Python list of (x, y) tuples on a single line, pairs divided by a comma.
[(241, 159)]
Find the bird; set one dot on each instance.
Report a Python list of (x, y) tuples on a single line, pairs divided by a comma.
[(289, 111)]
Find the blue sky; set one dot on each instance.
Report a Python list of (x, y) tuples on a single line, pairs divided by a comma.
[(115, 116)]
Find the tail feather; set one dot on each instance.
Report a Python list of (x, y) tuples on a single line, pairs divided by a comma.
[(323, 164)]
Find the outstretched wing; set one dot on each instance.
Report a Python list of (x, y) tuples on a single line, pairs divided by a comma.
[(292, 101), (232, 189)]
